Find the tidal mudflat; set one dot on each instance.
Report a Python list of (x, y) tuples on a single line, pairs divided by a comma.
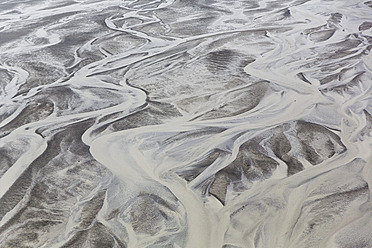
[(179, 123)]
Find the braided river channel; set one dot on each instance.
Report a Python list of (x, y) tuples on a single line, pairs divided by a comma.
[(185, 123)]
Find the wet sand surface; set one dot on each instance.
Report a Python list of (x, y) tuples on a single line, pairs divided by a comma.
[(178, 123)]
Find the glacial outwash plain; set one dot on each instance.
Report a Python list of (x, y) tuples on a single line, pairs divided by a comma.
[(185, 124)]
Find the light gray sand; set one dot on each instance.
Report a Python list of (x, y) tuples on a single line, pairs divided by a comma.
[(185, 124)]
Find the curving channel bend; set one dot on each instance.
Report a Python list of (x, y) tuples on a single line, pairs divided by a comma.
[(178, 123)]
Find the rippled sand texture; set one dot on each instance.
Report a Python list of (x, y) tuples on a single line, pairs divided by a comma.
[(186, 123)]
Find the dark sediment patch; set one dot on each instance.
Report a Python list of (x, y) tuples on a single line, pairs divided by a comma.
[(40, 73), (322, 35), (241, 101), (153, 114), (365, 26), (98, 236), (281, 147), (191, 172), (318, 143), (251, 163), (221, 60), (34, 111), (50, 185)]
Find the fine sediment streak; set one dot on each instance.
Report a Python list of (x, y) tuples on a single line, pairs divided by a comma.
[(185, 123)]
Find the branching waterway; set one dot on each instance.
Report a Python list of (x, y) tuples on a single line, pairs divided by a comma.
[(180, 123)]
